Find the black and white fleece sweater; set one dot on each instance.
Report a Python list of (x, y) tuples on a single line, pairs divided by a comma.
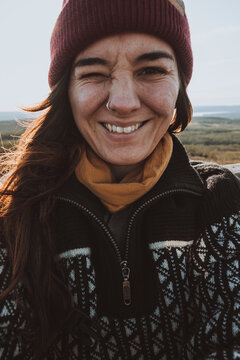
[(180, 256)]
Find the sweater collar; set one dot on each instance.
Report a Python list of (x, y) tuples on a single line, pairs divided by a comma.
[(97, 176), (179, 175)]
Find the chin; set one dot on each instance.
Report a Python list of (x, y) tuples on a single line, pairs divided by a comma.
[(123, 159)]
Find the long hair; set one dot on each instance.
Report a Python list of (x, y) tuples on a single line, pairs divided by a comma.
[(44, 159)]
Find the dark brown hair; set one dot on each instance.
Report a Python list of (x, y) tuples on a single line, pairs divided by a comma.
[(45, 158), (184, 110)]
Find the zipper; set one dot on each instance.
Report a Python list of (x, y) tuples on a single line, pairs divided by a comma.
[(124, 263), (126, 283)]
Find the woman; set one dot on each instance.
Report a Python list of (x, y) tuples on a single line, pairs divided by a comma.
[(113, 245)]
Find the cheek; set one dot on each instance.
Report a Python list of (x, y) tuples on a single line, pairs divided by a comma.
[(161, 98), (85, 100)]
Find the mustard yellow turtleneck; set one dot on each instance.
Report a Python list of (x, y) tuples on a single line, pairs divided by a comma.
[(96, 175)]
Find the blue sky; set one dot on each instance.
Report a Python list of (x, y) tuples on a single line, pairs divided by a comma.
[(26, 26)]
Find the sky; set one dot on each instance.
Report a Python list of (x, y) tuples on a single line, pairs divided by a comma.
[(26, 27)]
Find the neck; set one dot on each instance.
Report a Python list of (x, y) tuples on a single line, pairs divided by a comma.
[(120, 171)]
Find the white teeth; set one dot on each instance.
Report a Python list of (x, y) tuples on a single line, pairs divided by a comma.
[(109, 127), (128, 129), (120, 130)]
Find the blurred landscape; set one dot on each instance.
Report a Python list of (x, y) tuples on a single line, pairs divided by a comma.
[(213, 134)]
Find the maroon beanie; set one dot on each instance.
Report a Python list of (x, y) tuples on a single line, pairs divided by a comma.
[(82, 22)]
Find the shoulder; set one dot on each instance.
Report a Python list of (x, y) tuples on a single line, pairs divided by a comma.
[(218, 215), (208, 169), (222, 192)]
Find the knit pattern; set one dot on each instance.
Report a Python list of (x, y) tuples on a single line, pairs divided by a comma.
[(194, 298), (11, 316), (197, 314)]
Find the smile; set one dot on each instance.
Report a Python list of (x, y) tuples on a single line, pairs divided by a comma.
[(121, 130)]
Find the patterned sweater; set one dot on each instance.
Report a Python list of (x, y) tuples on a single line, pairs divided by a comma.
[(173, 290)]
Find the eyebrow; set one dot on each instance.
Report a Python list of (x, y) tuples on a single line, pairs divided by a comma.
[(91, 61), (155, 55), (151, 56)]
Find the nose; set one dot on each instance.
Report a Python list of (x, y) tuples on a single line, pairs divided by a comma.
[(123, 98)]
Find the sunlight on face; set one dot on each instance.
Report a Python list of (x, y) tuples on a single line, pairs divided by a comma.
[(138, 75)]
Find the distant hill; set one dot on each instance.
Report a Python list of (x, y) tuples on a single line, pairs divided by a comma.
[(227, 112)]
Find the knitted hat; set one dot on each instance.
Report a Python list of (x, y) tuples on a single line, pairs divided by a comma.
[(82, 22)]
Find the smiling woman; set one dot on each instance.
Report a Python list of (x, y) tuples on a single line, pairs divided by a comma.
[(113, 244), (137, 76)]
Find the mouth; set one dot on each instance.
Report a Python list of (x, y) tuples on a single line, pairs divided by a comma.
[(123, 130)]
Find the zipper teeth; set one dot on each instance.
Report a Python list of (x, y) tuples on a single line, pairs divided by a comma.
[(142, 207), (104, 227), (98, 221)]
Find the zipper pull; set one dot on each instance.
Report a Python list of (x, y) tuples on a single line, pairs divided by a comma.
[(126, 284)]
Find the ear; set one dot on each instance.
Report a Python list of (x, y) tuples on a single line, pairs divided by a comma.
[(179, 4)]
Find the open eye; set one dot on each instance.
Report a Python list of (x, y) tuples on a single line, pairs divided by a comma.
[(153, 71)]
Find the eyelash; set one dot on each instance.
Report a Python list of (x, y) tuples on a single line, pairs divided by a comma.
[(153, 71), (148, 71), (84, 76)]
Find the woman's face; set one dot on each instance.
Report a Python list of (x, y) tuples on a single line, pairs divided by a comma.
[(138, 75)]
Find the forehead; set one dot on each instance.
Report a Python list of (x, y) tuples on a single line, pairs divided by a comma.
[(129, 45)]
